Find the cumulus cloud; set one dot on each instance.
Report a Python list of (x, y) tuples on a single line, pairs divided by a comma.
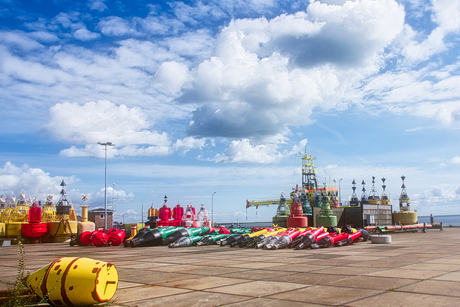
[(268, 75), (116, 26), (35, 182), (446, 14), (97, 198), (102, 121), (171, 76), (38, 184), (97, 5), (456, 160), (243, 152), (438, 200), (84, 34), (185, 145)]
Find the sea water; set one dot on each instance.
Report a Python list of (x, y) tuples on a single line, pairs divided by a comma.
[(446, 220)]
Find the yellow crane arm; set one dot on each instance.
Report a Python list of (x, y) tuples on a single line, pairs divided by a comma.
[(265, 202)]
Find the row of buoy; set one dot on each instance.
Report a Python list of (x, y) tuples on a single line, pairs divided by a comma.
[(267, 238), (311, 238), (112, 237), (170, 234)]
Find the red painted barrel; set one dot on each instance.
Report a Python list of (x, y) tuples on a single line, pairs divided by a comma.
[(34, 230), (85, 237), (35, 214), (116, 237), (99, 238)]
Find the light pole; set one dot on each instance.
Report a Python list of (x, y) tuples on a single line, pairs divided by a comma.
[(340, 193), (105, 197), (212, 209), (113, 197)]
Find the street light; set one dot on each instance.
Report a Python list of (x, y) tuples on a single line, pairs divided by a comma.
[(105, 198), (113, 206), (340, 193), (212, 209)]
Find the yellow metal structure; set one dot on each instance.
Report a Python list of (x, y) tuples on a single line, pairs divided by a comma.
[(49, 210), (72, 214), (385, 200), (59, 231), (373, 198), (405, 217), (152, 213), (70, 281), (309, 191), (15, 211), (13, 229)]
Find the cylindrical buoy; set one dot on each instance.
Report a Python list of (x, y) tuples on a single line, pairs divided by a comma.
[(85, 238), (70, 281), (116, 237), (99, 238)]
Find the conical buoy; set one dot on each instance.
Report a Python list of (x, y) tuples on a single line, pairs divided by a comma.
[(70, 281)]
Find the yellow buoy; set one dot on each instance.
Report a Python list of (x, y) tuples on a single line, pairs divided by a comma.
[(70, 281), (405, 217), (2, 230), (13, 229)]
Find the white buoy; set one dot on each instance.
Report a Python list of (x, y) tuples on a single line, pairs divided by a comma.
[(384, 239)]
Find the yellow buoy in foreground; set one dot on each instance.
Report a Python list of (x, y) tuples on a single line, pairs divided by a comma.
[(70, 281)]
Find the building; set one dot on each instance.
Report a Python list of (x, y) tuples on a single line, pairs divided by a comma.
[(97, 217)]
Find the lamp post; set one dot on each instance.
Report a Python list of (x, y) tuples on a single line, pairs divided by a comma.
[(113, 198), (105, 197), (340, 193), (212, 209)]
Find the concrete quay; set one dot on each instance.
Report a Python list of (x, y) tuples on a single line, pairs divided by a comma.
[(416, 269)]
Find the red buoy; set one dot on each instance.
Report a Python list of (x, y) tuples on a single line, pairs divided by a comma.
[(34, 230), (99, 238), (85, 238), (35, 214), (297, 219), (116, 237)]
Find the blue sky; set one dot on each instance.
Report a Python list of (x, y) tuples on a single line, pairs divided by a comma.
[(221, 96)]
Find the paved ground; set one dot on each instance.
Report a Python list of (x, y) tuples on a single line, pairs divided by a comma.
[(416, 269)]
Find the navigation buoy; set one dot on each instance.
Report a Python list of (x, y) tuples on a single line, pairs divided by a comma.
[(70, 281)]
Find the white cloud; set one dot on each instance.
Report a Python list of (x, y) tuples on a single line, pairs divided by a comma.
[(456, 160), (266, 76), (438, 200), (128, 128), (446, 14), (38, 184), (18, 39), (243, 152), (34, 181), (185, 145), (171, 77), (84, 34), (116, 26), (97, 5), (102, 121)]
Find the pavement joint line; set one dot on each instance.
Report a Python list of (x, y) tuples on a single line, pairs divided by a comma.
[(304, 286), (432, 294)]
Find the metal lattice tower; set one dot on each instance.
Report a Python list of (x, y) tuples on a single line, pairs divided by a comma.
[(308, 172)]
